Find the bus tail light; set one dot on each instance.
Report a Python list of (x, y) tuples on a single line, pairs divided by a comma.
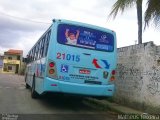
[(51, 64), (112, 78), (51, 70), (113, 73)]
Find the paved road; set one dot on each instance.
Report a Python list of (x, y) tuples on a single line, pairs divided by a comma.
[(16, 102)]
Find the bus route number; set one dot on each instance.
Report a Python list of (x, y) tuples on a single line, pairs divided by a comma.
[(68, 57)]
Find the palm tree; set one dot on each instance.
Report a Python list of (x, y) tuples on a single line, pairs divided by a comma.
[(152, 12)]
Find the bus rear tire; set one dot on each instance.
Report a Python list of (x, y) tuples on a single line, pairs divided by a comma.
[(34, 94), (27, 86)]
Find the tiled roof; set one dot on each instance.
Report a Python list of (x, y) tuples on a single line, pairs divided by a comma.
[(12, 51)]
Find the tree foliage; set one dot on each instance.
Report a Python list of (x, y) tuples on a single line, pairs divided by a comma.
[(152, 12)]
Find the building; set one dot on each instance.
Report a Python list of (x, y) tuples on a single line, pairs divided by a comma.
[(12, 61), (1, 63)]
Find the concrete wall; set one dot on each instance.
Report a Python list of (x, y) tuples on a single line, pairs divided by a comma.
[(138, 77)]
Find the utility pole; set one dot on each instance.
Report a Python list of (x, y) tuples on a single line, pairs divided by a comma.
[(135, 42)]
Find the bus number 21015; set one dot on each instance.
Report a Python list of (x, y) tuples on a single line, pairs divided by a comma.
[(68, 57)]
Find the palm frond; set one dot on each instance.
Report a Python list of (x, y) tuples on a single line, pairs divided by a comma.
[(120, 6), (152, 13)]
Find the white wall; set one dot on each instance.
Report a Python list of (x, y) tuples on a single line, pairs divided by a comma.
[(138, 77)]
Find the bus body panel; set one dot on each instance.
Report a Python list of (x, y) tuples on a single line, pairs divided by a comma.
[(86, 63)]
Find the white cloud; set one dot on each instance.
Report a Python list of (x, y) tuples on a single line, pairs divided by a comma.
[(25, 33)]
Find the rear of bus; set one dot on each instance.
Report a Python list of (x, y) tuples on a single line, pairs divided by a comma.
[(81, 59)]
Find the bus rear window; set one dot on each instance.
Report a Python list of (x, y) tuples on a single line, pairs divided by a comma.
[(85, 37)]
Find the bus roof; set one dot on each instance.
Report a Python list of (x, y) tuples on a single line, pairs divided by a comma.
[(82, 24)]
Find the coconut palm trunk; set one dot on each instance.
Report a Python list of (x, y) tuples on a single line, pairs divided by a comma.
[(139, 18)]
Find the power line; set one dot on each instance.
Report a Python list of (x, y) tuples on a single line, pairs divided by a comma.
[(24, 19)]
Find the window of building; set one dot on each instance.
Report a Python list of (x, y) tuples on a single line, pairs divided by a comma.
[(18, 57), (10, 58), (9, 67)]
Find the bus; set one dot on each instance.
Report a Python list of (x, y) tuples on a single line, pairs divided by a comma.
[(73, 58)]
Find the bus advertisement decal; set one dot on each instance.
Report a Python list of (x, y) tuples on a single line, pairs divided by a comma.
[(95, 62), (40, 70), (107, 66), (85, 37)]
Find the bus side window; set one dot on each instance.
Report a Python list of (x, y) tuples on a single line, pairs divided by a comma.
[(28, 57), (42, 47), (40, 44), (40, 54), (38, 48), (47, 42), (34, 53)]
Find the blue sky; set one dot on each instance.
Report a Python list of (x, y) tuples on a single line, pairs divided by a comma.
[(23, 22)]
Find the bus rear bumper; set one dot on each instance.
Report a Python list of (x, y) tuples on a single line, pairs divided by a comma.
[(80, 89)]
